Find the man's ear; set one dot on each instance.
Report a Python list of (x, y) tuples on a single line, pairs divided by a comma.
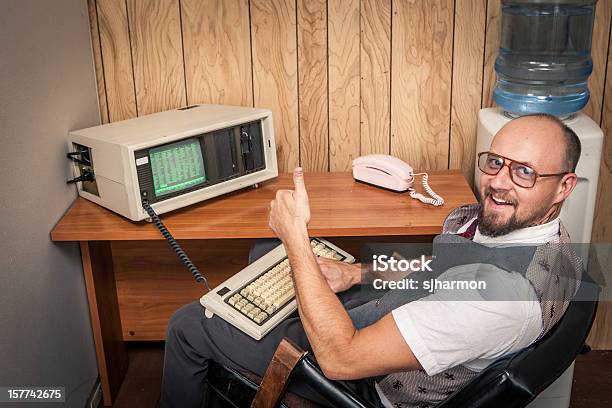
[(566, 186)]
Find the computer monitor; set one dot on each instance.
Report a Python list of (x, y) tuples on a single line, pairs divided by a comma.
[(172, 159), (177, 167)]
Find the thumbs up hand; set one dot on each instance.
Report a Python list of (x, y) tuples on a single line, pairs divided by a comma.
[(301, 195), (290, 210)]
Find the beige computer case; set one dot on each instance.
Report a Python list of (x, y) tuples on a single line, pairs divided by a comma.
[(112, 148)]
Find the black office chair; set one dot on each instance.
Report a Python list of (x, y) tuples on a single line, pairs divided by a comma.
[(511, 381)]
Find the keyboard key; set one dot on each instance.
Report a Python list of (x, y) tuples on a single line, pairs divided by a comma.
[(260, 317), (283, 298)]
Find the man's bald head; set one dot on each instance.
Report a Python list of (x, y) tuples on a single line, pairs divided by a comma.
[(570, 139)]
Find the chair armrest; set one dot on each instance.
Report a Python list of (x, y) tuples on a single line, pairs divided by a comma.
[(278, 374), (337, 393)]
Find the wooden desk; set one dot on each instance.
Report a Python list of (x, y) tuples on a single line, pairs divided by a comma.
[(135, 282)]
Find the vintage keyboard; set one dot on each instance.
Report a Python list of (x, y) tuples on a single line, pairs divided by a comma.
[(260, 296)]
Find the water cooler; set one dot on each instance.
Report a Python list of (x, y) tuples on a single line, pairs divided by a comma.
[(543, 66)]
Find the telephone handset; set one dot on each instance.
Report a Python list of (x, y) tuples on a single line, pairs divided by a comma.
[(394, 174)]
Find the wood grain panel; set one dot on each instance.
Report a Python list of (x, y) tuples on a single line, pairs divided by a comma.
[(159, 77), (312, 73), (491, 50), (599, 53), (117, 59), (602, 222), (421, 78), (217, 46), (601, 333), (344, 111), (375, 65), (97, 56), (468, 60), (600, 337), (275, 82), (151, 289)]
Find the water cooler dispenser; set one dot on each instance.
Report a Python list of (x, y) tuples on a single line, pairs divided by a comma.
[(543, 67)]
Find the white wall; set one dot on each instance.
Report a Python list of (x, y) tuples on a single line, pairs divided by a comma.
[(47, 87)]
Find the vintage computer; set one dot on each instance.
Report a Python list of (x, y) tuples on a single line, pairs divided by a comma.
[(173, 159)]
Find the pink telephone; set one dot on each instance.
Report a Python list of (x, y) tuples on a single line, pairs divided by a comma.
[(392, 173)]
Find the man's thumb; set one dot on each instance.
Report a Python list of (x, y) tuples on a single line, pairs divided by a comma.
[(298, 182)]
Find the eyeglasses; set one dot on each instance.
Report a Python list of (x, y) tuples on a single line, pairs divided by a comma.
[(521, 174)]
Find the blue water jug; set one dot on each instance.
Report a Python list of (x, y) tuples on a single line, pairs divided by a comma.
[(544, 57)]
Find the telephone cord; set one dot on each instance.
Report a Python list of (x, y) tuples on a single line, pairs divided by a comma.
[(175, 245), (436, 200)]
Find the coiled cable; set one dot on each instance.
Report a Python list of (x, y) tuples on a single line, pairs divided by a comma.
[(436, 200), (174, 245)]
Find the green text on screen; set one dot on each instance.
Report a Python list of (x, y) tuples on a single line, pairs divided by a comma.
[(177, 166)]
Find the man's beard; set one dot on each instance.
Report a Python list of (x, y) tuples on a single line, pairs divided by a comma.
[(487, 225)]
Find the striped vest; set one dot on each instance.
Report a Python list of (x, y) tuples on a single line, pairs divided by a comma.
[(554, 272)]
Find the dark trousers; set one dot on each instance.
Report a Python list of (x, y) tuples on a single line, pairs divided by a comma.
[(193, 340)]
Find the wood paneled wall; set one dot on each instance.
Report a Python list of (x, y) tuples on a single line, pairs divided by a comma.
[(343, 77)]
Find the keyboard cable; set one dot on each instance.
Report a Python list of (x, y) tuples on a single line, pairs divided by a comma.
[(174, 245)]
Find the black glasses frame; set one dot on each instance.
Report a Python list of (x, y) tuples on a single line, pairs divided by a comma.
[(508, 162)]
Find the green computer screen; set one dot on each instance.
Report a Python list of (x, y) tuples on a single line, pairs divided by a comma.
[(177, 166)]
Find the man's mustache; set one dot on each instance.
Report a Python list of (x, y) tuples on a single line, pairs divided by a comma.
[(502, 196)]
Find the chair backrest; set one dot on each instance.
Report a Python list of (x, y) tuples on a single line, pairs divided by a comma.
[(514, 381)]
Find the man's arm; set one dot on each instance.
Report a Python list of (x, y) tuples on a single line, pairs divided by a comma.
[(339, 275), (342, 351)]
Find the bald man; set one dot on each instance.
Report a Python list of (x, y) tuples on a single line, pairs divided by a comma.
[(405, 349)]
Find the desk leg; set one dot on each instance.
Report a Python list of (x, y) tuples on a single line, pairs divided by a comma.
[(104, 312)]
